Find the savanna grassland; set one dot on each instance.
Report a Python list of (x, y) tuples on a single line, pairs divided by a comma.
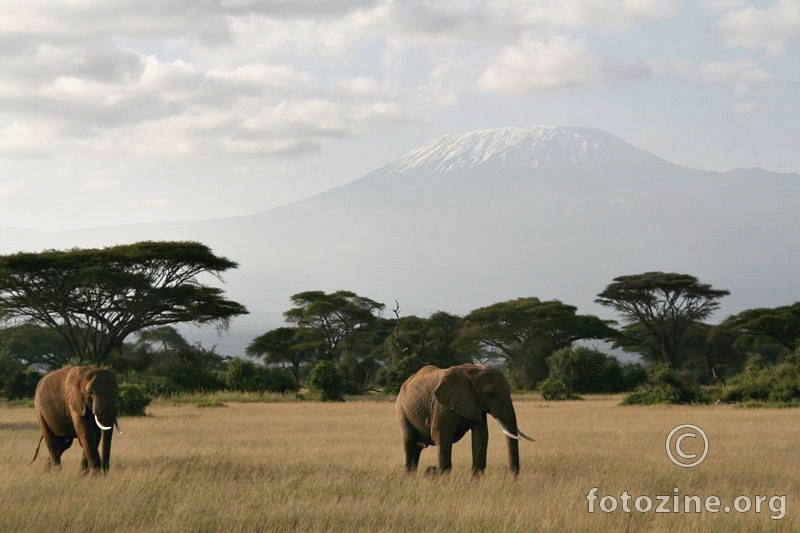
[(307, 466)]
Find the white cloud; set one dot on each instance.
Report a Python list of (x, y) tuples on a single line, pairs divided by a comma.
[(555, 62), (552, 63), (581, 13), (499, 21), (770, 28), (157, 202), (102, 184), (742, 75), (27, 138), (9, 189), (362, 86), (721, 5), (746, 108)]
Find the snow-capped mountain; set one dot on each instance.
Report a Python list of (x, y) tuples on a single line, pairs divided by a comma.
[(472, 219), (519, 148)]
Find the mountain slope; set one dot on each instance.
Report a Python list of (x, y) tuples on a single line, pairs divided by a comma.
[(469, 220)]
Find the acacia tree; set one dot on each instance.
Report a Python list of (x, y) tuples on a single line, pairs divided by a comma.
[(332, 321), (282, 345), (29, 344), (659, 308), (414, 342), (781, 324), (95, 298), (525, 331)]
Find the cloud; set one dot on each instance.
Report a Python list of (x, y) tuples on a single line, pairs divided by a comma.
[(743, 75), (9, 189), (555, 62), (746, 108), (499, 20), (721, 5), (769, 28), (102, 184), (627, 72), (582, 13), (26, 139), (166, 81), (552, 63), (157, 202)]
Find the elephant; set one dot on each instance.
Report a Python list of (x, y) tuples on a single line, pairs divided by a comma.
[(77, 401), (437, 406)]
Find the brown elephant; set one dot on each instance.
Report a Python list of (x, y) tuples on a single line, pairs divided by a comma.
[(77, 401), (437, 406)]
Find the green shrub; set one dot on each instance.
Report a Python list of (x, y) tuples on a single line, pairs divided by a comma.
[(760, 382), (326, 379), (20, 383), (584, 370), (554, 388), (247, 376), (665, 385), (393, 376), (133, 399)]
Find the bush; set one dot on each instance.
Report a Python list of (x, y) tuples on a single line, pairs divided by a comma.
[(759, 382), (326, 379), (393, 376), (583, 370), (665, 385), (20, 384), (554, 388), (247, 376), (242, 375), (133, 399)]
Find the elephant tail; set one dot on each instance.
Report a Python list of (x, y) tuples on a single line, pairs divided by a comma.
[(36, 454)]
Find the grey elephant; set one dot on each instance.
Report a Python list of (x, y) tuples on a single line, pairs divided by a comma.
[(77, 402), (437, 406)]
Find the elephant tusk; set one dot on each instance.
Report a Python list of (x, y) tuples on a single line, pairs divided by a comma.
[(508, 434), (524, 436), (101, 426), (117, 425), (520, 435)]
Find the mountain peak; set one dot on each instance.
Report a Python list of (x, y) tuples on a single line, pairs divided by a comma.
[(534, 147)]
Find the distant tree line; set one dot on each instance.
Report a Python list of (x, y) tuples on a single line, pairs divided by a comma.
[(118, 306)]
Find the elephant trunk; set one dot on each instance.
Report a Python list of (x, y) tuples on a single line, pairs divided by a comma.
[(513, 447), (508, 421), (513, 455), (105, 447)]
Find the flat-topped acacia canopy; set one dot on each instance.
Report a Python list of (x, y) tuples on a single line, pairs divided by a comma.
[(96, 297)]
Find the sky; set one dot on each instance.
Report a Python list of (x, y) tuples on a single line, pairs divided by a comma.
[(115, 112)]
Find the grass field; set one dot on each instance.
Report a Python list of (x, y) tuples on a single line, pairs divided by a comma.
[(309, 466)]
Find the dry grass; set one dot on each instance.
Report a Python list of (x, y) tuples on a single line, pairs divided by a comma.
[(338, 467)]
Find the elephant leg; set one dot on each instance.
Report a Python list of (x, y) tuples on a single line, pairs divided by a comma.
[(89, 439), (411, 446), (445, 452), (60, 445), (55, 445), (480, 440), (413, 451)]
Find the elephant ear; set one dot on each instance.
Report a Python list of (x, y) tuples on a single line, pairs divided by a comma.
[(457, 392), (73, 391)]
